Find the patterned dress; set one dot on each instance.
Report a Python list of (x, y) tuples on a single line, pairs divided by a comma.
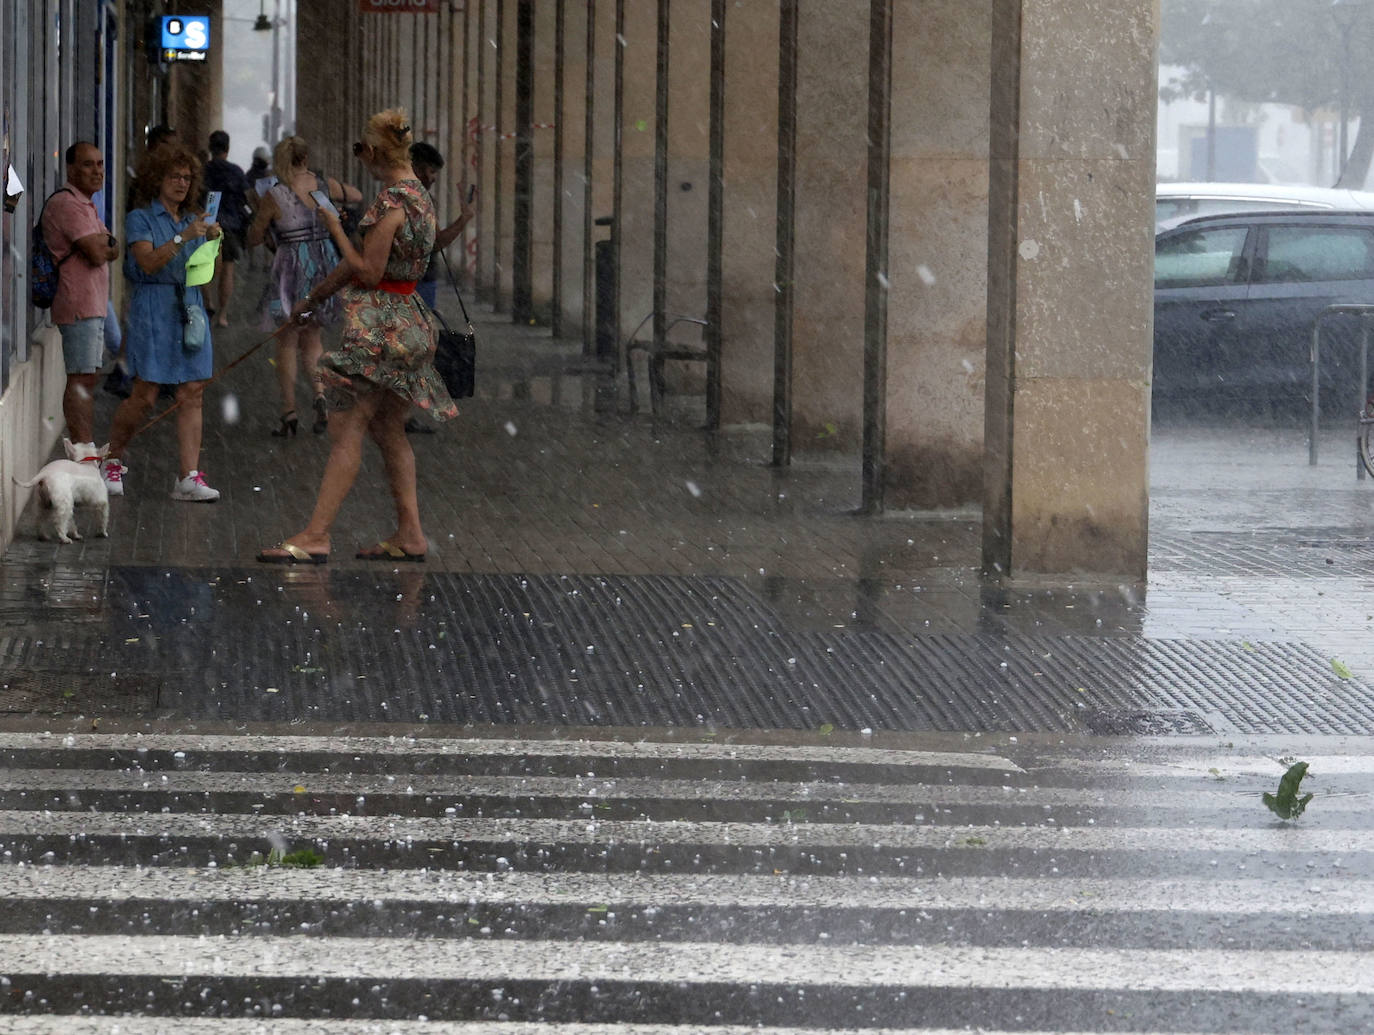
[(305, 256), (389, 338)]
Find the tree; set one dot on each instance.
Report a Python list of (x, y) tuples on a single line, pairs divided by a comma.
[(1296, 52)]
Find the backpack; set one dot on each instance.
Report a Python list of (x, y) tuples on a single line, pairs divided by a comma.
[(44, 270)]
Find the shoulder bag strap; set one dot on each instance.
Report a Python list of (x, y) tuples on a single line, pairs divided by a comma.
[(454, 284), (434, 313)]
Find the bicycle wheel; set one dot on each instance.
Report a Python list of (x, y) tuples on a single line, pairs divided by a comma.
[(1367, 439)]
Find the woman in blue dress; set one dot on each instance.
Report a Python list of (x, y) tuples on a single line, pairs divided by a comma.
[(161, 237)]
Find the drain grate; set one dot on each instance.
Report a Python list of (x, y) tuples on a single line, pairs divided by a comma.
[(1142, 723), (642, 650), (57, 693)]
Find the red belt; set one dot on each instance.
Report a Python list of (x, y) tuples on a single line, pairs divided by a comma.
[(397, 287)]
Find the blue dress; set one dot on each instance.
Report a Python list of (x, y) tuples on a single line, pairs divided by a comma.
[(153, 338)]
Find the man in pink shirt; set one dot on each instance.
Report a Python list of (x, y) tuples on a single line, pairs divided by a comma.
[(85, 248)]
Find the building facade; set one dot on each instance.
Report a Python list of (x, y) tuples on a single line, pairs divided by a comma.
[(920, 232)]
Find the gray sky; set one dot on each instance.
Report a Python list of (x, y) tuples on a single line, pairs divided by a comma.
[(248, 72)]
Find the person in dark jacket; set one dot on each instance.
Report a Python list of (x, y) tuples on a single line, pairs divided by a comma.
[(227, 178)]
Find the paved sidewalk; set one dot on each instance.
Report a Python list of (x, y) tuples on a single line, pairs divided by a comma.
[(594, 568)]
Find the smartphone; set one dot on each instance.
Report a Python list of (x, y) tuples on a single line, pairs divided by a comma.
[(265, 184), (472, 192), (322, 199), (212, 205)]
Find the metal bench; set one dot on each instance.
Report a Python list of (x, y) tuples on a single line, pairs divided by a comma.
[(658, 356)]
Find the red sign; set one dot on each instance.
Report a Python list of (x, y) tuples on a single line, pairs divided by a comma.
[(399, 6)]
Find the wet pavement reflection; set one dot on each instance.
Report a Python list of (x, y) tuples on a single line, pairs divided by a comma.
[(595, 568)]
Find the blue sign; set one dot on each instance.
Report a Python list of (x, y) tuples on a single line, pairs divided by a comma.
[(184, 35)]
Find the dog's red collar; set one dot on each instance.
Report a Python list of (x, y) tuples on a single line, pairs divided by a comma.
[(88, 459)]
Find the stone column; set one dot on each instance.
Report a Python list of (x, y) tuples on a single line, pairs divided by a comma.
[(831, 233), (637, 158), (689, 162), (937, 254), (574, 168), (750, 202), (1070, 303)]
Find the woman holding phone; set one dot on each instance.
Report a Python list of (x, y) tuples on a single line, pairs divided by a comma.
[(161, 348), (304, 255), (385, 362)]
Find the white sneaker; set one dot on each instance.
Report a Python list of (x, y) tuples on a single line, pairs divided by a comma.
[(112, 474), (192, 489)]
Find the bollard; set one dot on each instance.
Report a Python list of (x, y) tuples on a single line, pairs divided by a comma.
[(607, 348)]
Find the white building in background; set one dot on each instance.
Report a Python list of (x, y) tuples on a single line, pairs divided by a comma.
[(1255, 143)]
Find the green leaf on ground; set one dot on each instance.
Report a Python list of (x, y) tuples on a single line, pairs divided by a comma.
[(1286, 804), (1341, 669), (303, 858)]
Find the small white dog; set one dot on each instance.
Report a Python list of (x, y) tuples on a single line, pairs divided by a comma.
[(62, 484)]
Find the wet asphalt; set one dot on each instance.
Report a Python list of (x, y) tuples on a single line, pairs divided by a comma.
[(659, 739), (591, 567)]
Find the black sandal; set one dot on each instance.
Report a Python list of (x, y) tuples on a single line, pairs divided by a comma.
[(321, 416), (288, 425)]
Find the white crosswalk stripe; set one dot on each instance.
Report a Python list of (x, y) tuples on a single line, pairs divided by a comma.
[(159, 883)]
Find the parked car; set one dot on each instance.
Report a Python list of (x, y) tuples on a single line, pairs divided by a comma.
[(1177, 201), (1236, 297)]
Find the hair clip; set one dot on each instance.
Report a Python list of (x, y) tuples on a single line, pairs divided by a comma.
[(401, 131)]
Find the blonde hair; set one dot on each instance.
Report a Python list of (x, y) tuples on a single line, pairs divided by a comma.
[(388, 134), (290, 153)]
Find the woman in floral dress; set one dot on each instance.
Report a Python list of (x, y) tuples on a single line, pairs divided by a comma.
[(384, 365)]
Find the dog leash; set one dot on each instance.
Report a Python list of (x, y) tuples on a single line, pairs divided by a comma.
[(218, 374)]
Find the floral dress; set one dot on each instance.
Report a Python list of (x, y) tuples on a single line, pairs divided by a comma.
[(388, 337)]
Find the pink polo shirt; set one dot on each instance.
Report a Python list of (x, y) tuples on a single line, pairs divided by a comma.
[(83, 290)]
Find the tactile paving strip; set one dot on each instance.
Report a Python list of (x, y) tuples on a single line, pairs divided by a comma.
[(1313, 553), (647, 650)]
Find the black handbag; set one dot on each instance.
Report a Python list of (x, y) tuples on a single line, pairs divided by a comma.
[(455, 357)]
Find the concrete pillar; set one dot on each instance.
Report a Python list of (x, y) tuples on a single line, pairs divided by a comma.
[(323, 115), (689, 161), (485, 140), (541, 201), (832, 142), (575, 100), (1070, 255), (937, 245), (637, 157), (750, 174), (603, 129), (507, 28)]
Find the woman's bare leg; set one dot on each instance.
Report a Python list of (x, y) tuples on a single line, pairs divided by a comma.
[(225, 285), (286, 369), (190, 425), (388, 430), (130, 414), (347, 430), (311, 350)]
